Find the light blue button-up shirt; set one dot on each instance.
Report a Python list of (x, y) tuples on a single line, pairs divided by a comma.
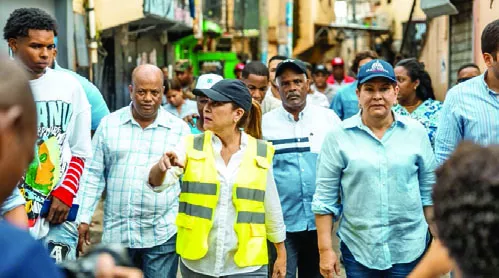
[(470, 112), (384, 185), (346, 103), (297, 145)]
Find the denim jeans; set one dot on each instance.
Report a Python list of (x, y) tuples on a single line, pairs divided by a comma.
[(157, 261), (356, 270), (61, 241), (187, 273), (303, 253)]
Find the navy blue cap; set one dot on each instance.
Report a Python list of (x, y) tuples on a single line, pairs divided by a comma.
[(376, 68), (228, 90), (294, 64)]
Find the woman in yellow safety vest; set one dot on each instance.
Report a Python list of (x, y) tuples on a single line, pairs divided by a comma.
[(229, 204)]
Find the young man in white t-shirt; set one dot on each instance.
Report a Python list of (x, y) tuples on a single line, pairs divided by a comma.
[(63, 133)]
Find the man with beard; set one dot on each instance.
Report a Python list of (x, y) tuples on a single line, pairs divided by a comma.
[(297, 131)]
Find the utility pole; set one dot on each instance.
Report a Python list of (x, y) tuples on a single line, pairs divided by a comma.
[(289, 26), (354, 19), (264, 27)]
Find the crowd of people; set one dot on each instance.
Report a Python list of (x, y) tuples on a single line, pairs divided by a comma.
[(288, 171)]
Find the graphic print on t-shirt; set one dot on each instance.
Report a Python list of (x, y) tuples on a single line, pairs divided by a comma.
[(48, 166)]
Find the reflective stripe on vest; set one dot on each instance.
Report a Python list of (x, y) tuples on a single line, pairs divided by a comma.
[(250, 217), (199, 188), (261, 148), (200, 193), (250, 194), (193, 210), (198, 143)]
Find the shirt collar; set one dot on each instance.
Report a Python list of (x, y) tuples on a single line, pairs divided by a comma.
[(162, 119), (290, 117), (356, 121), (482, 81)]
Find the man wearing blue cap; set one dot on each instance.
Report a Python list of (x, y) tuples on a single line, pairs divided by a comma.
[(381, 165), (297, 130)]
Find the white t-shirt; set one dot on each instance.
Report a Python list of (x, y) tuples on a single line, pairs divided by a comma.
[(269, 102), (64, 123), (318, 99)]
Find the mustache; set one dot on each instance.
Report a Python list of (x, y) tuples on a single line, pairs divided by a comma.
[(293, 94)]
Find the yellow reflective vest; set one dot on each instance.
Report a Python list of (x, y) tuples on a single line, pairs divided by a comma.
[(199, 198)]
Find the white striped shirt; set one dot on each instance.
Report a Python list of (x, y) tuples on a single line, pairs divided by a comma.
[(470, 112)]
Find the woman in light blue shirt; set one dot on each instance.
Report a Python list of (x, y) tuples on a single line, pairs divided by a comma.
[(382, 166)]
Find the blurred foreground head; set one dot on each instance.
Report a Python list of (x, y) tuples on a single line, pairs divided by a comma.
[(18, 125), (466, 203)]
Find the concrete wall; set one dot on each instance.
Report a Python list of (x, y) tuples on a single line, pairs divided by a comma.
[(482, 15), (435, 55), (112, 13)]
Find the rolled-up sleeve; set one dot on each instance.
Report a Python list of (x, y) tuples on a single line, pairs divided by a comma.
[(172, 175), (426, 171), (274, 221), (329, 169)]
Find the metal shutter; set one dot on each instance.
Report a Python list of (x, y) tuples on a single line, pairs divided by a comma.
[(461, 37)]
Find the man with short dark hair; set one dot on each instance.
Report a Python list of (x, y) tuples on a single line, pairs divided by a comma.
[(319, 89), (273, 62), (184, 75), (125, 144), (52, 179), (467, 71), (18, 134), (297, 131), (346, 103), (470, 112), (338, 79), (471, 109), (255, 76)]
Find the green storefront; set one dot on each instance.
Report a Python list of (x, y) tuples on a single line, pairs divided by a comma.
[(220, 62)]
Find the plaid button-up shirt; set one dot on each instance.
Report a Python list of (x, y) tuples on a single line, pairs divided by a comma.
[(134, 214)]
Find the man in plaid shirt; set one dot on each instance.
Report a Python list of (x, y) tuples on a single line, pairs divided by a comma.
[(125, 145)]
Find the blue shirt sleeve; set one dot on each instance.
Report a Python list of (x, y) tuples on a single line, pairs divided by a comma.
[(450, 130), (337, 105), (94, 96), (329, 169), (23, 256), (96, 100), (13, 201), (426, 170)]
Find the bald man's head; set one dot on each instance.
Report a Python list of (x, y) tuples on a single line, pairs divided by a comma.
[(146, 92), (147, 72), (18, 125)]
